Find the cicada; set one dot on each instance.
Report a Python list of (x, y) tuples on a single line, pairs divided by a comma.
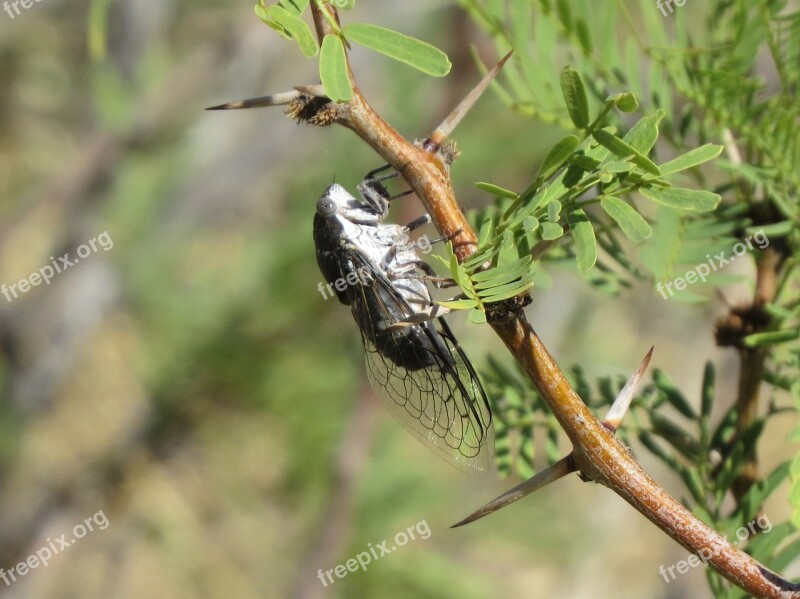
[(413, 360)]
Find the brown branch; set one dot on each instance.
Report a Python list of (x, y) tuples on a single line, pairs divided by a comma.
[(597, 453), (751, 366)]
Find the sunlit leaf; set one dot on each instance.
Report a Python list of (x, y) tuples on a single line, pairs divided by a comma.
[(623, 150), (333, 69), (575, 97), (630, 222), (585, 241), (691, 158), (296, 27), (682, 199), (411, 51)]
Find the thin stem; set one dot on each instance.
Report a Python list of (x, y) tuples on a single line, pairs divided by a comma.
[(751, 371)]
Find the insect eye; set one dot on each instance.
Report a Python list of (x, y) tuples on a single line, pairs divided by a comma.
[(326, 206)]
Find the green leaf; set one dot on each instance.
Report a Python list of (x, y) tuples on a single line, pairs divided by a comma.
[(753, 500), (763, 546), (556, 157), (785, 556), (477, 316), (690, 159), (775, 230), (675, 435), (631, 222), (554, 211), (486, 232), (672, 394), (623, 150), (694, 482), (461, 304), (530, 223), (709, 378), (618, 166), (296, 7), (333, 69), (295, 27), (771, 337), (644, 133), (503, 274), (584, 37), (682, 199), (496, 190), (626, 102), (575, 97), (565, 14), (551, 231), (794, 493), (585, 241), (650, 443), (505, 292), (261, 13), (460, 276), (411, 51), (344, 4)]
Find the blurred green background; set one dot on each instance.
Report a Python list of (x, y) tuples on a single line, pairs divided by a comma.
[(191, 383)]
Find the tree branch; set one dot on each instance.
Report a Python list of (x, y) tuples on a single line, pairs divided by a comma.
[(597, 453)]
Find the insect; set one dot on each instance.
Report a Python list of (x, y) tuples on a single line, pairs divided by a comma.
[(413, 360)]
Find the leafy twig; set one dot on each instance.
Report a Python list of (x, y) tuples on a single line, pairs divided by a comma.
[(597, 454)]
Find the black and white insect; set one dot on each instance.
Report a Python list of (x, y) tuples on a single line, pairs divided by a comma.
[(413, 360)]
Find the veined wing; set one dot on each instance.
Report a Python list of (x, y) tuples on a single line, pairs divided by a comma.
[(424, 376)]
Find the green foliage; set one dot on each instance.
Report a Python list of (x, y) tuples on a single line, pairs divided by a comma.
[(413, 52), (599, 167), (697, 99), (333, 69), (285, 17), (659, 182)]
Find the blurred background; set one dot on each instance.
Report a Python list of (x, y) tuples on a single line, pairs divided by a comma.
[(188, 382)]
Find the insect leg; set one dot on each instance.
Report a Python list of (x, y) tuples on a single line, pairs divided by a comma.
[(426, 314), (375, 193), (446, 237), (429, 274), (371, 175), (418, 222)]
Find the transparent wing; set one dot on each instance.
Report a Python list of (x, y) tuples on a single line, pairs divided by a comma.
[(425, 378)]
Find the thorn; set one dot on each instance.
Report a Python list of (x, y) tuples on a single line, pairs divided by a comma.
[(550, 474), (311, 90), (615, 415), (271, 100), (446, 128)]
